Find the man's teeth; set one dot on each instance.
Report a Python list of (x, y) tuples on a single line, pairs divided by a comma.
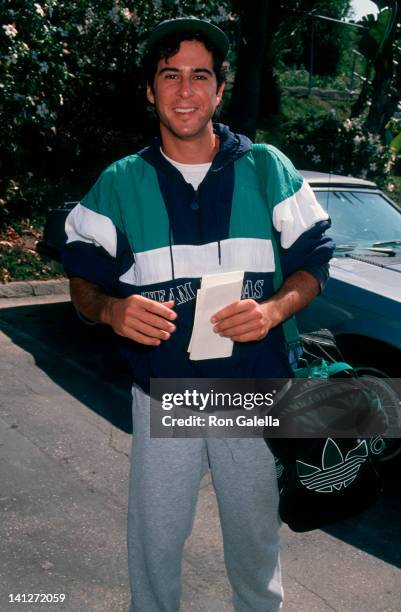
[(184, 110)]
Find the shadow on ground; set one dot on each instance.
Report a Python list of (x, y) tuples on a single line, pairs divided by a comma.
[(82, 359), (378, 530)]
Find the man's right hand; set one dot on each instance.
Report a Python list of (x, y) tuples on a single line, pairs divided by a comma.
[(140, 319)]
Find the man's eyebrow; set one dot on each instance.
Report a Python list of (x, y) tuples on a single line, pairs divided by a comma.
[(196, 70), (167, 69), (203, 70)]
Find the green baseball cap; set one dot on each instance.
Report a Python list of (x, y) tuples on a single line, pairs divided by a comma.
[(189, 24)]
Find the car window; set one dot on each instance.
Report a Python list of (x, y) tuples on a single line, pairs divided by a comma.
[(359, 216)]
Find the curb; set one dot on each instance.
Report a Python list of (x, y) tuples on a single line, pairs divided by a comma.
[(19, 289)]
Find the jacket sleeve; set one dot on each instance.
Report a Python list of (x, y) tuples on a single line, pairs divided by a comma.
[(321, 273), (299, 221), (91, 249)]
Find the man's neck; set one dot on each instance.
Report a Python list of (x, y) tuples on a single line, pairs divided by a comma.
[(200, 150)]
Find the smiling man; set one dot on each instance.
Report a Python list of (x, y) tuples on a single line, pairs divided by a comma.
[(138, 245)]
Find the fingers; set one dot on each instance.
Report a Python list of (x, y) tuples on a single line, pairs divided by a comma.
[(238, 320), (242, 321), (154, 321), (143, 320), (233, 309), (163, 309), (257, 328), (236, 315), (141, 338), (162, 330)]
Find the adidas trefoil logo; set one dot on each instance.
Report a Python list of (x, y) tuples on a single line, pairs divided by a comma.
[(279, 468), (336, 472)]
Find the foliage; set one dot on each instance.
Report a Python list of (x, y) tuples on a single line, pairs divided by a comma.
[(300, 78), (380, 44), (325, 143), (332, 41), (288, 40), (18, 264), (393, 189), (18, 257), (72, 92)]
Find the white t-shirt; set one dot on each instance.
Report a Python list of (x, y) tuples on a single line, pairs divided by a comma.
[(192, 173)]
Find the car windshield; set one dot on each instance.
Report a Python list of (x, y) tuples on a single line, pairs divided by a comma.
[(360, 218)]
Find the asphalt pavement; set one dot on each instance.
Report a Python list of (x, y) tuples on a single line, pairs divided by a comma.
[(65, 438)]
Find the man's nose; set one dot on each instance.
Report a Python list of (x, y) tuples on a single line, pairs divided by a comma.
[(185, 89)]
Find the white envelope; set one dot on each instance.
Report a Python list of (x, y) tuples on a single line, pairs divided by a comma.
[(217, 291)]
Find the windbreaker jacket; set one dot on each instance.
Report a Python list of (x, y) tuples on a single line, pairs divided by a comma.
[(143, 230)]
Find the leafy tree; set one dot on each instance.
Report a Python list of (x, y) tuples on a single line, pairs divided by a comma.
[(380, 44), (279, 31), (330, 39)]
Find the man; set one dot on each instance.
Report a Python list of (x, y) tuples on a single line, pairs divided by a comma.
[(138, 245)]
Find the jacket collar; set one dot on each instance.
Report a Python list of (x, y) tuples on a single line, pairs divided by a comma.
[(232, 147)]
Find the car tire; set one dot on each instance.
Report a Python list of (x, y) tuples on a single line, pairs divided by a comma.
[(390, 397)]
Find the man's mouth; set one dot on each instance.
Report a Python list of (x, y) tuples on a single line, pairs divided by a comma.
[(185, 110)]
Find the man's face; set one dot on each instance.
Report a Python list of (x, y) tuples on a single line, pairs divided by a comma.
[(185, 92)]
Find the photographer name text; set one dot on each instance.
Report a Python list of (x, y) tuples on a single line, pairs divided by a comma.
[(212, 420)]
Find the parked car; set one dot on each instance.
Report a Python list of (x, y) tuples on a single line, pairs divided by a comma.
[(54, 235), (361, 304)]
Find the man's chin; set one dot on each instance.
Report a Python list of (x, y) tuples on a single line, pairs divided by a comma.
[(187, 132)]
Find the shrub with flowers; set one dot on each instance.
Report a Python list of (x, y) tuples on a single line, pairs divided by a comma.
[(72, 93), (327, 144)]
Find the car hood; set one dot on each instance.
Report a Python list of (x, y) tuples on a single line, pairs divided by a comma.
[(373, 271)]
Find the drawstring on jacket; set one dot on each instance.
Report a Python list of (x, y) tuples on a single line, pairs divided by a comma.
[(170, 240), (170, 243)]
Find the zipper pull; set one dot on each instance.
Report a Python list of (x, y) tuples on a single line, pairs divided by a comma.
[(195, 203)]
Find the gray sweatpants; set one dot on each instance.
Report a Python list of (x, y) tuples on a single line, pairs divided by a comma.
[(164, 484)]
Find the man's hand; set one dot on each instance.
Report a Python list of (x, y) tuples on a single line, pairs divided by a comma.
[(247, 320), (244, 321), (140, 319), (135, 317)]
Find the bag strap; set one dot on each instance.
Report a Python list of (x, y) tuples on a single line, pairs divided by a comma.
[(290, 329), (322, 369)]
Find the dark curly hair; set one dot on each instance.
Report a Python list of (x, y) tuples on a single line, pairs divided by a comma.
[(170, 45)]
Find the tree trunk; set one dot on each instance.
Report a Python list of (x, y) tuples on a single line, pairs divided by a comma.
[(362, 100), (270, 93), (245, 96), (394, 97), (376, 119)]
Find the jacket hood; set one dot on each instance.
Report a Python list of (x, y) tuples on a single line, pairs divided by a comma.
[(232, 146)]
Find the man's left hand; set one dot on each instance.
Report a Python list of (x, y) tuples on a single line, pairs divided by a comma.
[(244, 321)]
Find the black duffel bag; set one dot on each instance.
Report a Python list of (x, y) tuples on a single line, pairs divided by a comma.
[(323, 480)]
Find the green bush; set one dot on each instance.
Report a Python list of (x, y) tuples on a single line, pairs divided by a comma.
[(72, 94), (18, 264), (326, 144), (299, 77)]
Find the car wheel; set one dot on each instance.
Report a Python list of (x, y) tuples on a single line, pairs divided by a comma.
[(390, 396)]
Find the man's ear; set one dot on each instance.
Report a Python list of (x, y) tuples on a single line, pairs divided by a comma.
[(219, 94), (149, 94)]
